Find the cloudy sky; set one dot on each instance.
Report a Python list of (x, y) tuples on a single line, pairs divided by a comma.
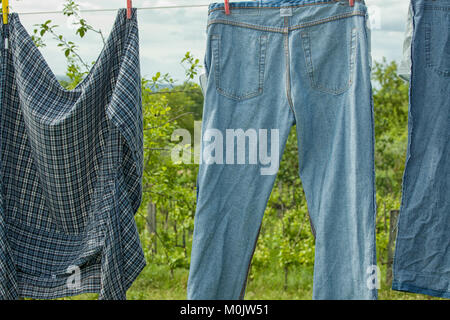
[(166, 34)]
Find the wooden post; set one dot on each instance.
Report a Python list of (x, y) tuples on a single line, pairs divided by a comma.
[(152, 224), (394, 214)]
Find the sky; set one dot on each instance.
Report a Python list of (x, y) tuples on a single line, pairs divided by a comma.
[(167, 34)]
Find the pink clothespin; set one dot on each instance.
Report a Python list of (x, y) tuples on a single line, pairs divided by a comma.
[(352, 3), (129, 7), (227, 7)]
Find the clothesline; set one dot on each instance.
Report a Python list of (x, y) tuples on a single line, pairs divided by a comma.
[(138, 8), (112, 10)]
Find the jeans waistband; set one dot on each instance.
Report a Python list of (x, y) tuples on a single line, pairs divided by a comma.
[(273, 4), (431, 2), (264, 16)]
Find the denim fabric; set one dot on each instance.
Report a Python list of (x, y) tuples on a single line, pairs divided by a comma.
[(271, 65), (422, 260)]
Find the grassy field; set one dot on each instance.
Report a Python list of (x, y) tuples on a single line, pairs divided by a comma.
[(156, 283)]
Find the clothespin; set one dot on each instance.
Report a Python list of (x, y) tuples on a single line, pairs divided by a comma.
[(227, 7), (352, 3), (129, 7), (5, 11)]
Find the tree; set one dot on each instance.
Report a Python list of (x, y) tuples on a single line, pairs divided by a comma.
[(391, 120)]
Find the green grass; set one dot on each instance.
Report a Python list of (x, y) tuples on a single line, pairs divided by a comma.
[(157, 283)]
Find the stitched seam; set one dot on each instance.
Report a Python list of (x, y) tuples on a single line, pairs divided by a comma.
[(244, 25), (428, 44), (354, 45), (437, 8), (329, 19), (239, 98), (282, 30), (307, 50), (262, 61), (408, 287), (424, 273), (216, 47)]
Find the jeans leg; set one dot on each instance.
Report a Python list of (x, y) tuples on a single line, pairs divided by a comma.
[(422, 256), (335, 128), (233, 194)]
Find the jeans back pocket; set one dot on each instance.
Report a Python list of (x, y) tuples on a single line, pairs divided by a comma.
[(437, 41), (330, 53), (239, 63)]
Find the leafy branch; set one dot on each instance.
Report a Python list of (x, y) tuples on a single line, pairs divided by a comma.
[(70, 49)]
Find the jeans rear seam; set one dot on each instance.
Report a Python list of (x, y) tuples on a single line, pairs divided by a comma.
[(288, 67)]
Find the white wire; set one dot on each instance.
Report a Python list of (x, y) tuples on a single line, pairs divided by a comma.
[(111, 10)]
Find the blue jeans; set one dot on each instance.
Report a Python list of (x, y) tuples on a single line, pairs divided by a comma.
[(271, 65), (422, 259)]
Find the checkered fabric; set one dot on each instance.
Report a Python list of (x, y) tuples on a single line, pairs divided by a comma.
[(71, 171)]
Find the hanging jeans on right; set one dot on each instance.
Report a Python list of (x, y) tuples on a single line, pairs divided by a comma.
[(422, 259), (271, 65)]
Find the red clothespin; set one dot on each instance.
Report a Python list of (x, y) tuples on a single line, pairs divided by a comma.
[(227, 7), (129, 7), (352, 3)]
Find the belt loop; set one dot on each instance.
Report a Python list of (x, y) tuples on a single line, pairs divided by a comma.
[(227, 7)]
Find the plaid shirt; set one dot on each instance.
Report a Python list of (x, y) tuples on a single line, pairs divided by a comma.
[(71, 170)]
